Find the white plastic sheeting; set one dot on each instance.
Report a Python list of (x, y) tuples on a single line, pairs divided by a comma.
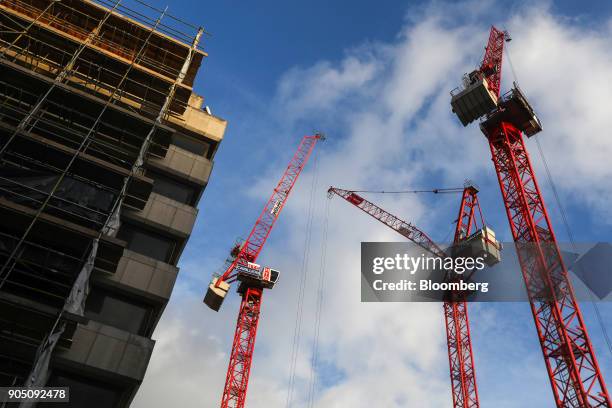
[(75, 303), (40, 372), (114, 222)]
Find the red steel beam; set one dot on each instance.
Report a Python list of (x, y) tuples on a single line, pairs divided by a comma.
[(574, 373), (458, 337)]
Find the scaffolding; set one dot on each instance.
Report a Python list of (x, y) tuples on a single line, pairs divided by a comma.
[(133, 59), (86, 88)]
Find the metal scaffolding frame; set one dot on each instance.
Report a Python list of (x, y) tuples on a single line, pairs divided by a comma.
[(119, 123), (129, 58)]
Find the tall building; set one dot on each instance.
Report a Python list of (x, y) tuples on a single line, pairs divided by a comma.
[(98, 124)]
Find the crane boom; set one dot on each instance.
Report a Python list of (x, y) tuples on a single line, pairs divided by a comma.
[(257, 237), (402, 227), (492, 62), (241, 357), (459, 343), (572, 367)]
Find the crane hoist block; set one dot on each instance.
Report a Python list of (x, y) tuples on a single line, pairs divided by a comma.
[(215, 295), (483, 244), (474, 100)]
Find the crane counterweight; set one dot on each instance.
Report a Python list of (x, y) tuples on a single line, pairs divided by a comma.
[(474, 100), (482, 243), (215, 295)]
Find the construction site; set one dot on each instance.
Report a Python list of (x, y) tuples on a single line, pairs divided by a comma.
[(105, 154)]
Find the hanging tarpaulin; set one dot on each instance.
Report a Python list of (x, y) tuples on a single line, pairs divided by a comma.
[(114, 221), (143, 152), (72, 196), (75, 303), (40, 372)]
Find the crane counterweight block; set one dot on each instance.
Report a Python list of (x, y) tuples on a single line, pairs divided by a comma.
[(479, 94), (215, 295), (480, 244), (474, 99)]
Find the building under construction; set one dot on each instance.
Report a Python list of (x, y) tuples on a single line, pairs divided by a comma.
[(105, 153)]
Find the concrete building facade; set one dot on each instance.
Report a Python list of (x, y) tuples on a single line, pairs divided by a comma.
[(98, 122)]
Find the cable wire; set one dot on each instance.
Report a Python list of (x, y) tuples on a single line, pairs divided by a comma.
[(564, 217), (451, 190), (297, 330), (312, 388), (571, 238), (514, 76)]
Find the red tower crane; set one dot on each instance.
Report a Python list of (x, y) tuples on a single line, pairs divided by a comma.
[(460, 355), (458, 339), (253, 279), (569, 357)]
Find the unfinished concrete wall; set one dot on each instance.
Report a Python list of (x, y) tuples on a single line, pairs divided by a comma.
[(112, 350), (189, 165), (166, 215), (145, 274)]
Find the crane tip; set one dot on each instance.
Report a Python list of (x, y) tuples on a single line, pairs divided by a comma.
[(320, 135)]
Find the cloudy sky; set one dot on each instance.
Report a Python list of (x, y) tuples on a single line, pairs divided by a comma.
[(376, 79)]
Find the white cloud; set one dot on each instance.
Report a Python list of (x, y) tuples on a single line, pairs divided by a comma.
[(390, 103), (318, 88), (565, 71)]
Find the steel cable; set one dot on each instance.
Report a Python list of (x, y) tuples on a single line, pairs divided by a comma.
[(303, 279), (319, 307), (568, 230), (571, 238), (451, 190)]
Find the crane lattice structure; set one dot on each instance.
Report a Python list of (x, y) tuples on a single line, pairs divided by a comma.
[(460, 353), (572, 367), (253, 279), (457, 323)]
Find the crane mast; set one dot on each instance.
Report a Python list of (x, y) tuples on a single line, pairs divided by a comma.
[(572, 367), (458, 337), (460, 354), (253, 279)]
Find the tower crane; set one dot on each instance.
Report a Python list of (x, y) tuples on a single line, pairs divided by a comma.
[(572, 367), (253, 278), (460, 355)]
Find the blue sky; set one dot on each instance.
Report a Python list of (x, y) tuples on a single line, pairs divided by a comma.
[(366, 74), (251, 47)]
